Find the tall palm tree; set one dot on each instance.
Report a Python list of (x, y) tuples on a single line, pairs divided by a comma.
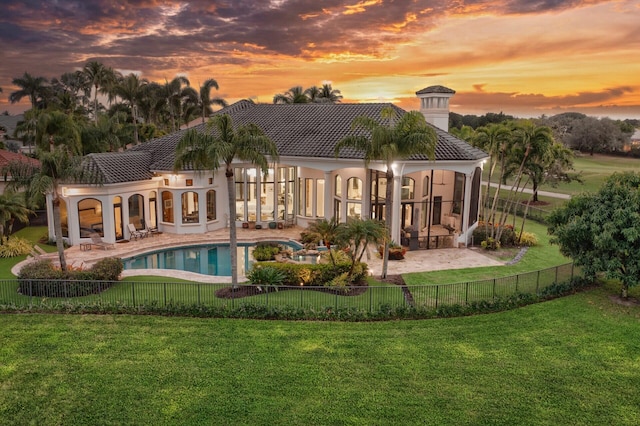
[(95, 73), (13, 206), (329, 94), (26, 129), (493, 139), (395, 137), (313, 94), (56, 167), (57, 128), (205, 100), (221, 146), (326, 231), (174, 92), (30, 86), (295, 95), (130, 90)]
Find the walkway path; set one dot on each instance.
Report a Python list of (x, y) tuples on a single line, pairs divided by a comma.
[(530, 191), (415, 261)]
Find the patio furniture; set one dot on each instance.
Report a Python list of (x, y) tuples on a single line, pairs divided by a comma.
[(96, 240), (136, 233)]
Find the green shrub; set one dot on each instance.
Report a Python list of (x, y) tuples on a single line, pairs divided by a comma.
[(490, 244), (507, 239), (42, 279), (15, 247), (265, 251), (265, 276), (107, 269), (528, 239), (309, 275), (340, 282)]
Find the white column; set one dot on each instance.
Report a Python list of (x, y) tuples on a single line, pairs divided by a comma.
[(328, 196), (397, 209), (467, 207)]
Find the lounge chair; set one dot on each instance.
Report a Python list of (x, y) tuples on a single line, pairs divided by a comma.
[(137, 233), (96, 240)]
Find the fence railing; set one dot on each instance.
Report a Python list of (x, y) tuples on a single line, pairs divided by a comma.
[(43, 294), (533, 213)]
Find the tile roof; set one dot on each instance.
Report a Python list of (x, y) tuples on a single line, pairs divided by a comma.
[(116, 167), (7, 157), (435, 89), (299, 130)]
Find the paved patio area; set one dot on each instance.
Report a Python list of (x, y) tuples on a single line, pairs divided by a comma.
[(415, 261)]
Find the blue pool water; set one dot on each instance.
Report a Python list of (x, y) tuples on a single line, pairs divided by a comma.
[(209, 259)]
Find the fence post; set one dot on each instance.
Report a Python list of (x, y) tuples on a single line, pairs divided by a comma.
[(466, 294), (370, 299), (494, 289), (198, 294), (437, 292), (133, 293), (336, 300), (538, 282), (165, 294)]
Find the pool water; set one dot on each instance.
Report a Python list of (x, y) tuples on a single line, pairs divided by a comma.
[(210, 259)]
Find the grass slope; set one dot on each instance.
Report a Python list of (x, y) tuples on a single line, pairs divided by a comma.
[(572, 361)]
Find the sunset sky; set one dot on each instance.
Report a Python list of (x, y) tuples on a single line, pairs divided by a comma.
[(521, 57)]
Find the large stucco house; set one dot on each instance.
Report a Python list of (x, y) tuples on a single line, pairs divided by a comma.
[(308, 182)]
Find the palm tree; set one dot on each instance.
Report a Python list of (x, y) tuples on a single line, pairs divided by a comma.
[(205, 100), (295, 95), (57, 128), (56, 167), (329, 94), (326, 231), (12, 206), (222, 145), (130, 90), (398, 137), (359, 234), (174, 92), (96, 74), (33, 87), (493, 139), (26, 129), (313, 94)]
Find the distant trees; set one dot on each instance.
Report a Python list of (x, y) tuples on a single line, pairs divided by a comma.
[(298, 95), (150, 109)]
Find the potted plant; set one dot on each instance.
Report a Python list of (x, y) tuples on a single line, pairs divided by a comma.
[(396, 251)]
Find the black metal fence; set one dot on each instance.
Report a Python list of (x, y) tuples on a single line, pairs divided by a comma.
[(42, 294)]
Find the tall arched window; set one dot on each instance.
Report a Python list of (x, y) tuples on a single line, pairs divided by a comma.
[(90, 217), (354, 192), (408, 188), (190, 211), (211, 204), (167, 207), (338, 186), (136, 211)]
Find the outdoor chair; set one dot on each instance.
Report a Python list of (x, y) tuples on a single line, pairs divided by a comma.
[(137, 233), (96, 240)]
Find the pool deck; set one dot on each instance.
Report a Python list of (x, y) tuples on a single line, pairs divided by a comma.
[(414, 261)]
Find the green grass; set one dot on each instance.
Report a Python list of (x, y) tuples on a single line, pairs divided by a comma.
[(571, 361)]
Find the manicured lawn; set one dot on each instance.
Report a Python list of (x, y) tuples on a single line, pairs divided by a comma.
[(571, 361)]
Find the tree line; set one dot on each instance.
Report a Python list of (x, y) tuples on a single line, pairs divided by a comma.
[(574, 130), (99, 109)]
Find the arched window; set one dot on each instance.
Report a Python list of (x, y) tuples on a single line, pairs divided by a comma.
[(190, 211), (136, 211), (408, 188), (338, 186), (211, 204), (354, 189), (425, 186), (167, 207), (90, 217)]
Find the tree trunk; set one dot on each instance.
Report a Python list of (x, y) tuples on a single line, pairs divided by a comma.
[(57, 228), (233, 237)]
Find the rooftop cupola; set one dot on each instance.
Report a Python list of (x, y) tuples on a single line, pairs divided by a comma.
[(434, 105)]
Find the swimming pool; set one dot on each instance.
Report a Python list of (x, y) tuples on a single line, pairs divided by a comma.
[(207, 259)]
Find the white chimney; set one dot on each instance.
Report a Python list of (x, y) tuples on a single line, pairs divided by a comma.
[(434, 105)]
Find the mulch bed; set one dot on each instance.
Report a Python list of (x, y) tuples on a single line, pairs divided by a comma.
[(251, 290)]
